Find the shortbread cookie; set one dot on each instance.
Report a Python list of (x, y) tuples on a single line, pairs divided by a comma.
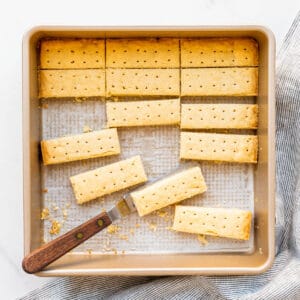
[(108, 179), (219, 82), (72, 83), (209, 116), (219, 147), (222, 222), (87, 145), (143, 113), (72, 54), (219, 52), (172, 189), (142, 82), (142, 53)]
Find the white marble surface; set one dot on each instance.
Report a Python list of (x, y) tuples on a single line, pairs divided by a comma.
[(16, 17)]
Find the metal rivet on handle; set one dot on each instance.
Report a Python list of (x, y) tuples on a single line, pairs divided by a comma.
[(79, 235), (100, 222)]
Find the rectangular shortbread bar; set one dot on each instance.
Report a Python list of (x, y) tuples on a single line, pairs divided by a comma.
[(82, 146), (172, 189), (222, 222), (219, 147), (210, 116), (108, 179), (143, 113), (219, 82), (142, 53), (72, 83), (72, 54), (142, 82), (219, 52)]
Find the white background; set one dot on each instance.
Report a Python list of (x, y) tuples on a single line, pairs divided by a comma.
[(16, 17)]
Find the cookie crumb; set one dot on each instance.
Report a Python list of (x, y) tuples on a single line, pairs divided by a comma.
[(112, 229), (44, 190), (123, 237), (131, 230), (86, 129), (202, 239), (45, 213), (137, 225), (65, 214), (55, 227), (152, 226), (89, 251), (260, 251)]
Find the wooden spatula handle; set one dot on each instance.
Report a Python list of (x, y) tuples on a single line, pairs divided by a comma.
[(43, 256)]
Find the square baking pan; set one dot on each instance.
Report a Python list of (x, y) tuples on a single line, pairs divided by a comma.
[(256, 261)]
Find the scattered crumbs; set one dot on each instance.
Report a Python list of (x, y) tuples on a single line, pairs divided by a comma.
[(103, 209), (123, 252), (44, 241), (256, 226), (86, 129), (89, 251), (112, 229), (202, 239), (162, 213), (45, 213), (55, 227), (68, 205), (260, 251), (152, 226), (54, 207), (260, 149), (115, 251), (44, 190), (131, 230), (137, 225), (65, 214), (123, 237)]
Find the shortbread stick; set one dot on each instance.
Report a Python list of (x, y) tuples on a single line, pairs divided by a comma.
[(219, 52), (142, 53), (219, 147), (72, 54), (142, 82), (143, 113), (108, 179), (221, 222), (172, 189), (226, 116), (83, 146), (72, 83), (219, 82)]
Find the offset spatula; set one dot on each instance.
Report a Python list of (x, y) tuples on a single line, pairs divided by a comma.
[(48, 253)]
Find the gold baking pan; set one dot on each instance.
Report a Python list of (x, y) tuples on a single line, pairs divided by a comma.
[(82, 263)]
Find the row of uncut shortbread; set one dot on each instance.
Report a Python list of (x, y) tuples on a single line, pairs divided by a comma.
[(148, 53), (148, 82), (192, 116)]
